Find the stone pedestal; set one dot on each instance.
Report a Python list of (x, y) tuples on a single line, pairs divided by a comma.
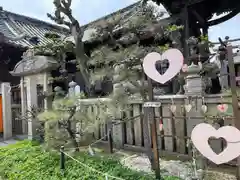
[(194, 83), (194, 91)]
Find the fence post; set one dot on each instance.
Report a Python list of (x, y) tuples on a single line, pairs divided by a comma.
[(118, 134), (150, 114), (110, 139), (62, 160)]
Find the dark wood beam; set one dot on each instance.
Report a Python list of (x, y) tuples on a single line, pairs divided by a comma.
[(2, 38), (199, 18), (185, 16), (193, 2)]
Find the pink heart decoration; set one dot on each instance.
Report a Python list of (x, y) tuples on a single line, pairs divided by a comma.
[(229, 133), (160, 125), (222, 108), (175, 59), (184, 68)]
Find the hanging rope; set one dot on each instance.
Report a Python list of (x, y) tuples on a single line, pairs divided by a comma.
[(106, 175), (115, 124)]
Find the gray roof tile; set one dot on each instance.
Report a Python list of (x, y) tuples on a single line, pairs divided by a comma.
[(14, 25)]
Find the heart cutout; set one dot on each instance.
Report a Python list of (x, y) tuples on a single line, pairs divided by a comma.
[(188, 107), (175, 59), (229, 133), (173, 108), (204, 108), (160, 65), (222, 108), (222, 141)]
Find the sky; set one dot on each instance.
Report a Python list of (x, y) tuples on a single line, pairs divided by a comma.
[(88, 10)]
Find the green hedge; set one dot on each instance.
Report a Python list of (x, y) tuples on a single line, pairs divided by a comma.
[(27, 161)]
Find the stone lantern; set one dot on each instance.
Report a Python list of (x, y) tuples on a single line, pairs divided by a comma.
[(33, 70)]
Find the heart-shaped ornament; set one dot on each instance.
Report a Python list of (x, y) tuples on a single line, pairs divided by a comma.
[(204, 108), (222, 108), (188, 107), (160, 125), (200, 64), (175, 60), (173, 108), (229, 133), (184, 68)]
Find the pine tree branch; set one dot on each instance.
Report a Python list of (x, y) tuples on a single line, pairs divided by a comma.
[(63, 9)]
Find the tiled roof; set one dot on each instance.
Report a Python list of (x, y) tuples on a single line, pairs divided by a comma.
[(14, 25), (124, 13)]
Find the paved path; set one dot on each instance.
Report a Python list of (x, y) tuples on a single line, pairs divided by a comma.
[(12, 141), (7, 142)]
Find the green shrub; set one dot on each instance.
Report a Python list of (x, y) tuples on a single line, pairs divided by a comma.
[(27, 161)]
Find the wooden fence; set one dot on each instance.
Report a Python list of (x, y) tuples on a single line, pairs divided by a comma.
[(177, 126)]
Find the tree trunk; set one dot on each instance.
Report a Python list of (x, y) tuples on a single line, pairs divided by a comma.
[(81, 56), (73, 136)]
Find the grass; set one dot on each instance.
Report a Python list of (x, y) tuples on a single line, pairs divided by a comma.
[(27, 161)]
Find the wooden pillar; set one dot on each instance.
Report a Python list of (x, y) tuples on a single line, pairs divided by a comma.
[(186, 34), (154, 158), (205, 31), (236, 111)]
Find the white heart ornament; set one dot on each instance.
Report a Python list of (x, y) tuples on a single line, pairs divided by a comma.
[(188, 107), (173, 108), (200, 65), (229, 133), (175, 60), (222, 108), (204, 108)]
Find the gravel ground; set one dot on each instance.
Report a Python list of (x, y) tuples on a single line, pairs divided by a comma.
[(172, 167)]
